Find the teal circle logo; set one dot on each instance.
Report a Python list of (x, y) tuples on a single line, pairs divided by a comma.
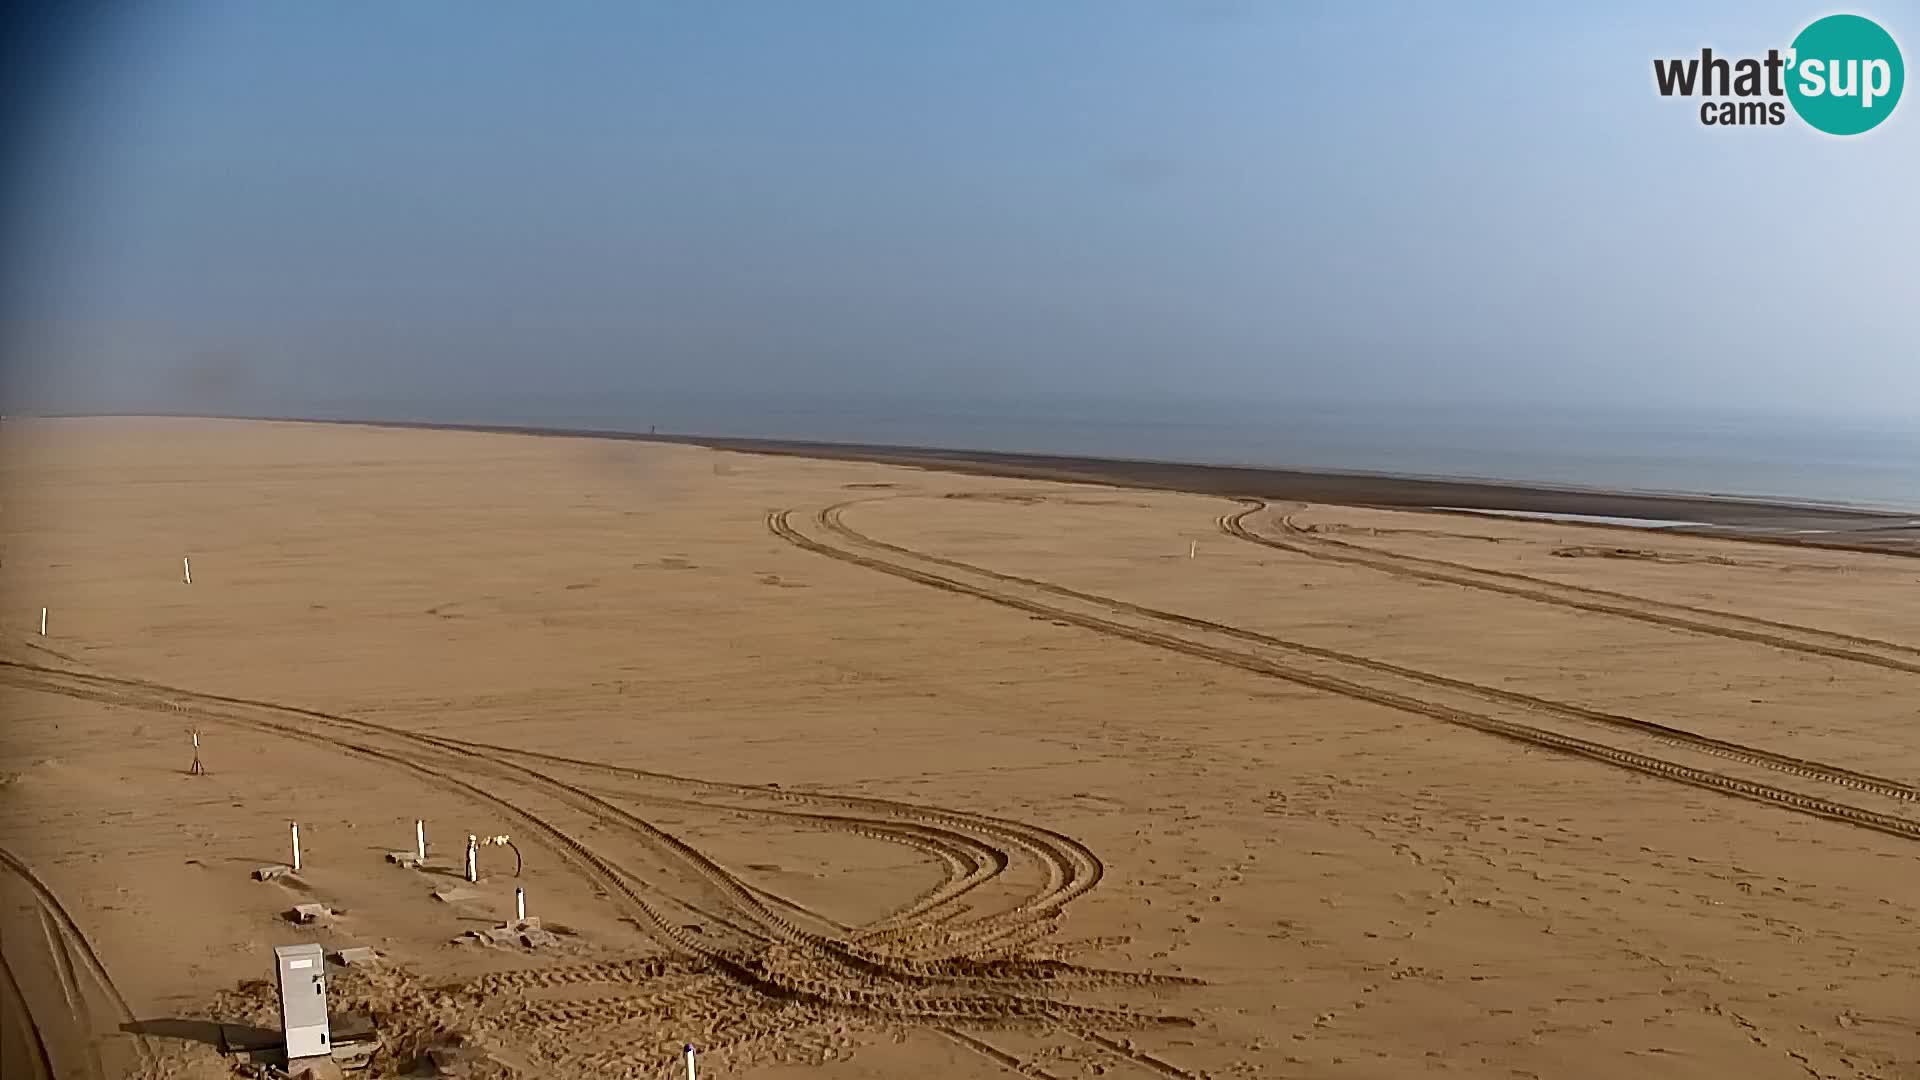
[(1845, 74)]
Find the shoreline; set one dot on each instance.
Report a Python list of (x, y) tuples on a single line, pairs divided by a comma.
[(1778, 521)]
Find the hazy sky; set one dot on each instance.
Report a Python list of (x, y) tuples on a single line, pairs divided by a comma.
[(278, 205)]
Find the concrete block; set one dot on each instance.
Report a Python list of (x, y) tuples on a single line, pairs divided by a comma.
[(322, 1067), (310, 913), (525, 934)]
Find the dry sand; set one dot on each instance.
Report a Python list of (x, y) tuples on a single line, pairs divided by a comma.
[(961, 777)]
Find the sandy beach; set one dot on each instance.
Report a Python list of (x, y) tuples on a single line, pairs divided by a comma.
[(855, 769)]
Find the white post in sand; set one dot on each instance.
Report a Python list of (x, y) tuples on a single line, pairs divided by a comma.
[(186, 570), (420, 840), (296, 846), (473, 858), (1193, 548), (520, 904), (690, 1075), (43, 622)]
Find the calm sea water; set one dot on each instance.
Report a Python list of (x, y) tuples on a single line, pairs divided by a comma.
[(1828, 461)]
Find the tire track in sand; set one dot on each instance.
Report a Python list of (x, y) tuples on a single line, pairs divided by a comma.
[(780, 524), (70, 936), (811, 991), (813, 977), (70, 988), (1832, 644), (1072, 868), (605, 813), (967, 969), (15, 1004), (1666, 733)]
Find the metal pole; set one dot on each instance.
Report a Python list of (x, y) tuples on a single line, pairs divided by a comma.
[(420, 840), (296, 845)]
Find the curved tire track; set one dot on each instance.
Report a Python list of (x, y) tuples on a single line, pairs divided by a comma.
[(36, 1043), (1749, 755), (1072, 868), (65, 928), (1747, 628), (829, 972), (779, 523)]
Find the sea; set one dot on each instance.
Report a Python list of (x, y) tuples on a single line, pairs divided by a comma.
[(1841, 461)]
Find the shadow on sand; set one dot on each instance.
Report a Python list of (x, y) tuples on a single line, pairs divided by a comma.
[(227, 1038)]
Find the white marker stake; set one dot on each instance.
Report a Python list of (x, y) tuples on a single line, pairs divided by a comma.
[(186, 569), (690, 1075), (520, 904), (420, 840), (1193, 548), (296, 846), (43, 622), (473, 858)]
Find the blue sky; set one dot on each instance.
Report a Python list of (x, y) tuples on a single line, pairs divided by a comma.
[(1240, 201)]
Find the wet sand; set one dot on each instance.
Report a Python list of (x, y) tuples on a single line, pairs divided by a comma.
[(849, 768)]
